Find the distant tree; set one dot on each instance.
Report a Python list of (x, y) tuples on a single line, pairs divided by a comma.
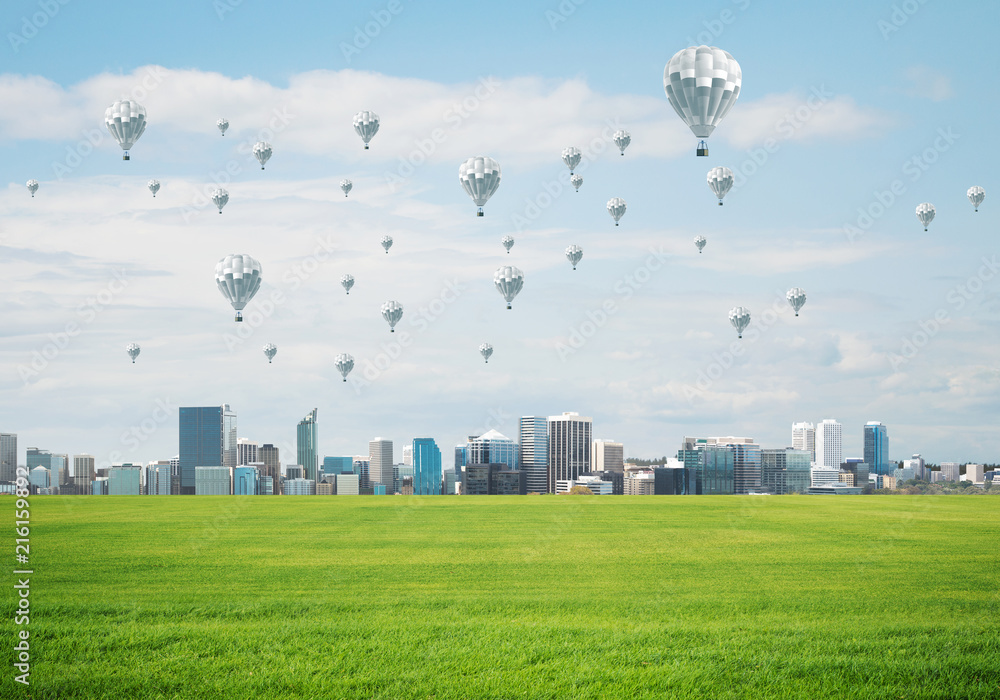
[(581, 491)]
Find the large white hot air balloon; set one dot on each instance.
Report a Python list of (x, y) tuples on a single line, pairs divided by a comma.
[(270, 350), (925, 213), (133, 350), (576, 180), (223, 124), (344, 364), (740, 318), (32, 186), (508, 243), (797, 298), (622, 139), (486, 350), (347, 281), (509, 281), (366, 124), (386, 243), (571, 156), (702, 84), (699, 242), (574, 254), (126, 120), (220, 197), (392, 311), (480, 178), (976, 195), (238, 277), (262, 152), (153, 186), (346, 186), (720, 180), (616, 207)]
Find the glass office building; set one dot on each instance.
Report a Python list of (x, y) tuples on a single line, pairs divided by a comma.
[(426, 467), (534, 452), (338, 465), (307, 454), (712, 465), (785, 470), (492, 448), (246, 481), (207, 439), (570, 439), (877, 448)]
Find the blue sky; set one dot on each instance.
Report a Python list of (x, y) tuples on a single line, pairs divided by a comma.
[(905, 105)]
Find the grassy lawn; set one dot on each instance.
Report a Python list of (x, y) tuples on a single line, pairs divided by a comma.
[(513, 597)]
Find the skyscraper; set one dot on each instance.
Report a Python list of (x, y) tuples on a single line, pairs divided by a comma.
[(408, 455), (804, 438), (307, 454), (157, 478), (270, 469), (785, 470), (8, 457), (426, 467), (607, 456), (535, 453), (569, 447), (83, 473), (709, 467), (207, 439), (380, 462), (828, 444), (492, 447), (246, 451), (877, 448), (338, 465), (746, 462)]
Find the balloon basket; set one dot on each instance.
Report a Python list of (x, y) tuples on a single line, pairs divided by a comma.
[(508, 306), (480, 212), (125, 156), (720, 202), (366, 148), (239, 317)]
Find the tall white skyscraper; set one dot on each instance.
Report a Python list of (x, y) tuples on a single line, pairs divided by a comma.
[(380, 463), (408, 455), (569, 447), (607, 456), (829, 443), (804, 438)]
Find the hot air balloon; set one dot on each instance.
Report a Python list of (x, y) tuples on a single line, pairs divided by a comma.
[(507, 242), (976, 195), (220, 197), (486, 350), (386, 243), (576, 181), (508, 280), (571, 157), (346, 186), (238, 277), (344, 364), (32, 186), (126, 120), (720, 181), (702, 84), (133, 351), (616, 207), (270, 350), (347, 281), (480, 177), (700, 242), (797, 298), (925, 213), (574, 254), (740, 318), (262, 152), (366, 124), (622, 140), (153, 186), (223, 124), (392, 311)]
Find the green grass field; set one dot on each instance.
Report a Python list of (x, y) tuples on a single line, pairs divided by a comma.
[(513, 597)]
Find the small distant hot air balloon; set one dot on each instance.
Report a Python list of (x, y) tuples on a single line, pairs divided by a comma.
[(507, 242), (702, 84), (126, 121), (344, 364), (392, 311), (616, 207), (480, 178), (571, 156), (220, 197), (223, 124), (366, 124), (347, 281), (32, 186), (622, 140), (386, 243), (574, 254), (238, 277), (509, 281), (262, 152), (976, 195), (720, 180), (925, 213), (576, 181), (346, 186), (270, 350), (740, 318), (486, 350), (700, 242), (133, 351), (797, 298), (153, 186)]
